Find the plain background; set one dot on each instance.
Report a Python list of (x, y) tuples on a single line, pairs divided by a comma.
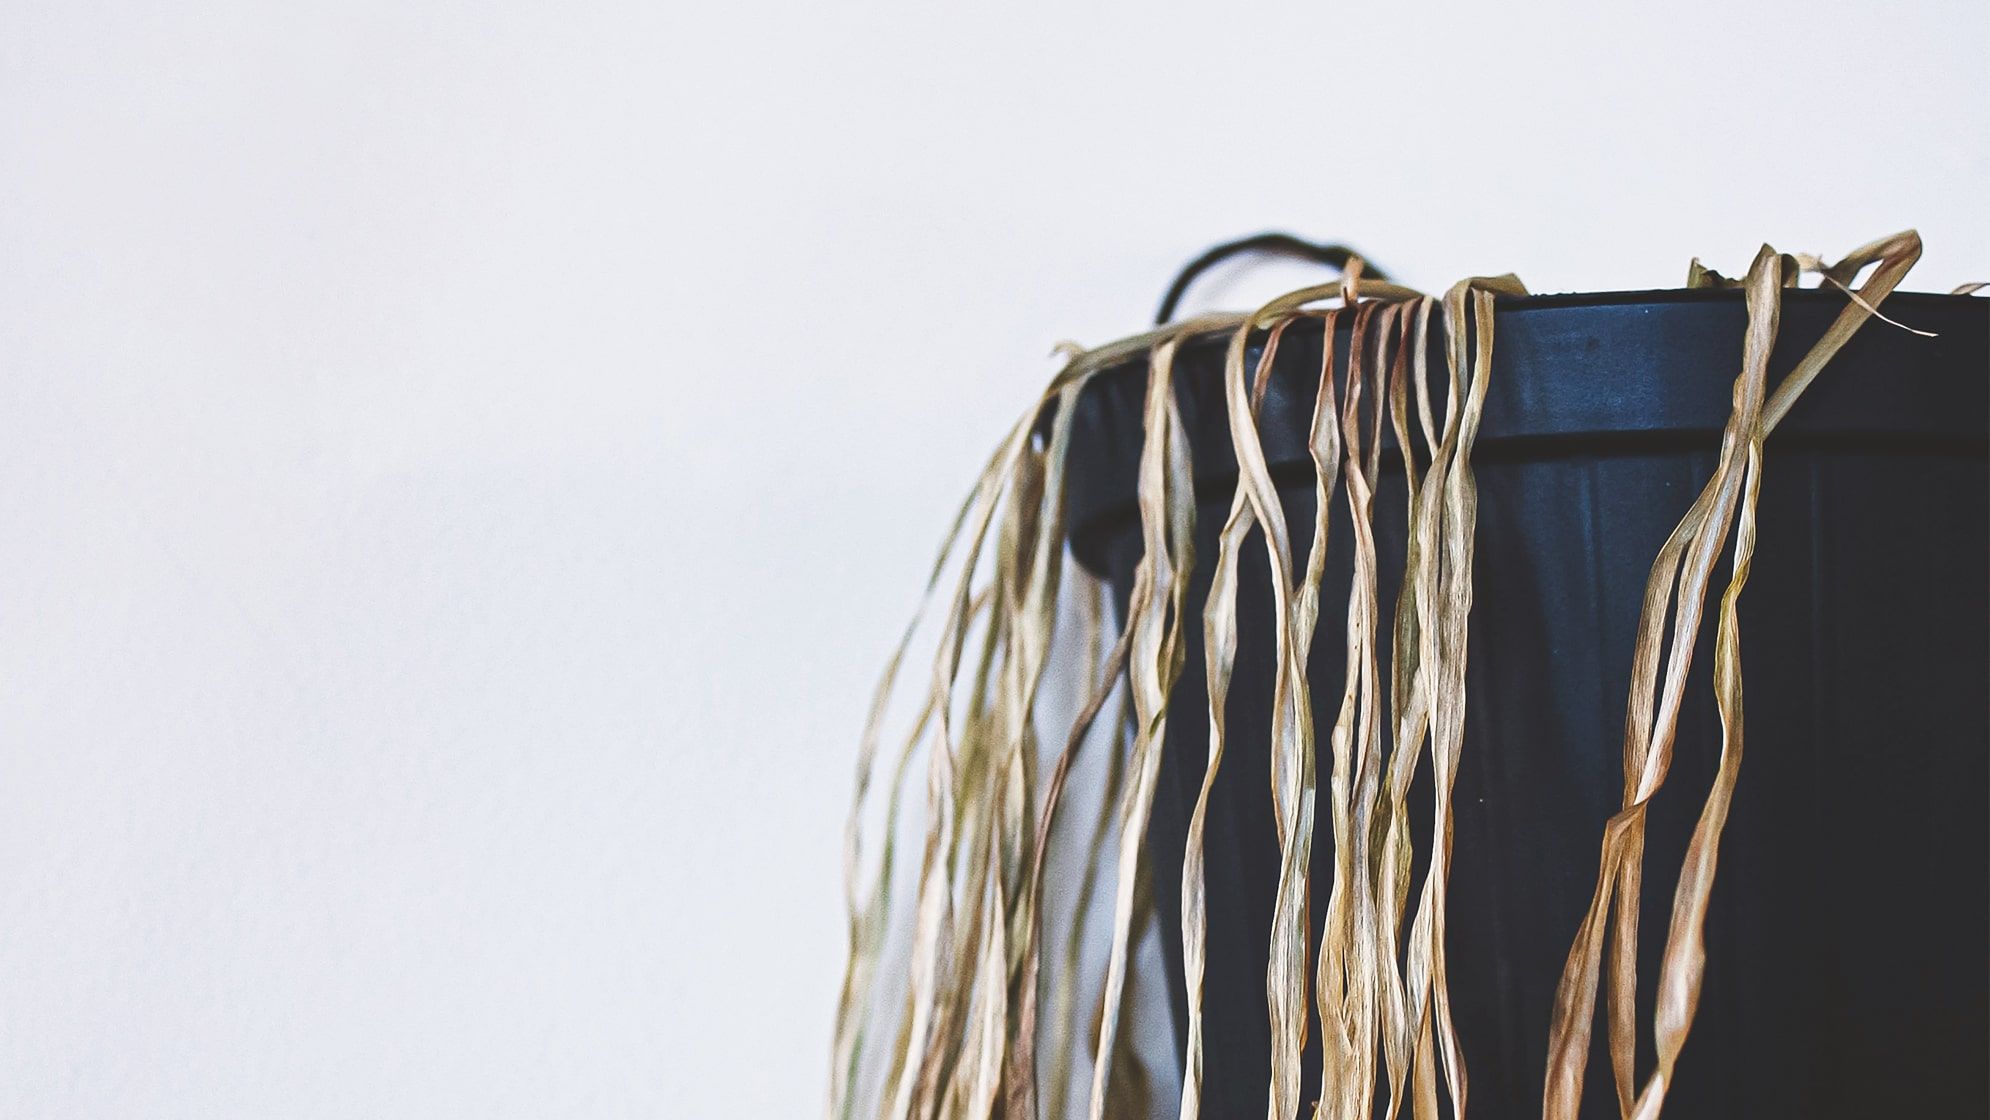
[(462, 465)]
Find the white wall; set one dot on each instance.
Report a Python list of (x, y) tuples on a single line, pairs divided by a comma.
[(462, 465)]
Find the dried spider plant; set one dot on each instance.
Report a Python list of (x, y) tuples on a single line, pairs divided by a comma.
[(959, 1028)]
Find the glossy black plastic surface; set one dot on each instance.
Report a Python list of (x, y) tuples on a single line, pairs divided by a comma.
[(1847, 939)]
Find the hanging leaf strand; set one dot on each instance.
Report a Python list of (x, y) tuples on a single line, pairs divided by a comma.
[(960, 1034)]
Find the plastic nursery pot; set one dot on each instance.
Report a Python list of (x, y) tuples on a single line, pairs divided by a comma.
[(1846, 961)]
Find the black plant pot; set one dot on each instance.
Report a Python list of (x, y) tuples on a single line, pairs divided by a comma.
[(1846, 971)]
